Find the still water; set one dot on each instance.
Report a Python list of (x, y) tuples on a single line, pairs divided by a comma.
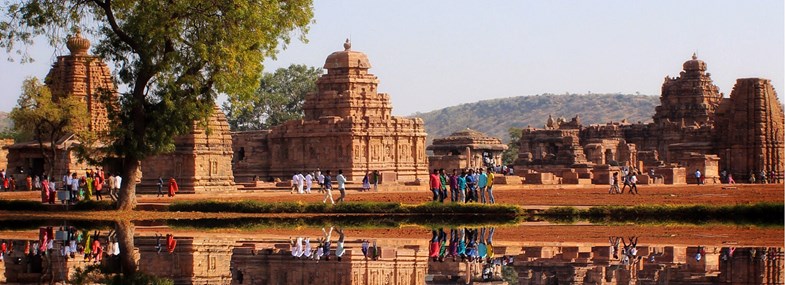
[(204, 253)]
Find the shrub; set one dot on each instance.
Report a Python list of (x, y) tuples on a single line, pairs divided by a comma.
[(22, 205)]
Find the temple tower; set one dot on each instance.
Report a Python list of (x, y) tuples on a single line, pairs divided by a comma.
[(84, 76), (750, 129), (691, 98)]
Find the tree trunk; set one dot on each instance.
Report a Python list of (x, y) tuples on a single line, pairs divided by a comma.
[(127, 199), (125, 238)]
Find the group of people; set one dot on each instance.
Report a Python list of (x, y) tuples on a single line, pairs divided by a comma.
[(301, 247), (469, 186), (629, 178), (467, 245), (303, 183), (94, 181), (628, 254)]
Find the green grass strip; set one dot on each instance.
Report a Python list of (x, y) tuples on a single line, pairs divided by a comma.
[(344, 208), (754, 214)]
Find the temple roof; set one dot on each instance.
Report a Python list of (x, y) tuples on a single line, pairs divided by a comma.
[(77, 44), (694, 64), (468, 138), (347, 58)]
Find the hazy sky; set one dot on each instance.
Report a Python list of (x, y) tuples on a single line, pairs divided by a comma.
[(434, 54)]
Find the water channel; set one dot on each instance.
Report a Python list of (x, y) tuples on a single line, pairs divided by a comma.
[(258, 251)]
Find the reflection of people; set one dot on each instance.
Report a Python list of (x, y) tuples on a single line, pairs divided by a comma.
[(171, 243), (340, 249)]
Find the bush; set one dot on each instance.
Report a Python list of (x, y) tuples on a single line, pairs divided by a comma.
[(21, 205), (93, 205)]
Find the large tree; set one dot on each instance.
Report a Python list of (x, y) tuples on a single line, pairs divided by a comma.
[(47, 120), (173, 58), (279, 98)]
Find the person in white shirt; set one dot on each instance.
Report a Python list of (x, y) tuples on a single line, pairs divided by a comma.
[(308, 183), (117, 185), (295, 177), (341, 185), (300, 182), (320, 179), (340, 250)]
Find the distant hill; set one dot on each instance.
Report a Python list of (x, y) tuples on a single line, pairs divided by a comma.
[(494, 117)]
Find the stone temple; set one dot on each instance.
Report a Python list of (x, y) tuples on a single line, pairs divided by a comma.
[(347, 125), (78, 74), (694, 127), (465, 149)]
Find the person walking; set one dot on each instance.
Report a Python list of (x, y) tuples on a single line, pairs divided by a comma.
[(320, 180), (366, 182), (698, 179), (614, 184), (341, 185), (482, 182), (160, 187), (295, 177), (489, 186), (300, 183), (173, 188), (308, 182), (98, 185), (117, 185), (434, 184), (633, 183), (328, 187), (376, 178)]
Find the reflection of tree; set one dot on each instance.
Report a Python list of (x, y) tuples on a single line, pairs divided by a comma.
[(125, 238)]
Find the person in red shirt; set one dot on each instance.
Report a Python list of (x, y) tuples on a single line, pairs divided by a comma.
[(173, 188), (436, 185)]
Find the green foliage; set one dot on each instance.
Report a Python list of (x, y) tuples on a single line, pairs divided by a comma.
[(173, 57), (495, 117), (278, 99), (93, 274), (344, 208), (511, 154), (343, 221), (93, 205), (21, 205), (47, 119), (759, 214)]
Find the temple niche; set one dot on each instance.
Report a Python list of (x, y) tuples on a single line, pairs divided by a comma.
[(694, 128), (466, 149), (347, 125), (81, 75)]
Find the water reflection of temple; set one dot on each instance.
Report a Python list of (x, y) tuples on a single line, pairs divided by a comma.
[(212, 259)]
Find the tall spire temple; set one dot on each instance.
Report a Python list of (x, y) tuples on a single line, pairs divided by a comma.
[(84, 76)]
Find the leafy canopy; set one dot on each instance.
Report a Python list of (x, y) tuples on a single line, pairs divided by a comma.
[(39, 116), (278, 99), (174, 57)]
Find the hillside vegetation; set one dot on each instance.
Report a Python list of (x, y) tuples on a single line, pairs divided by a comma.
[(495, 117)]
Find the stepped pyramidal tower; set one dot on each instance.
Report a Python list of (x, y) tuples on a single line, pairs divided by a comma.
[(347, 126)]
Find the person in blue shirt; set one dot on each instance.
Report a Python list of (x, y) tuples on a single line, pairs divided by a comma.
[(462, 187), (471, 184), (481, 184), (328, 188)]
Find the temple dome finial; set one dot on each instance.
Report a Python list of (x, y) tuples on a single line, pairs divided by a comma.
[(694, 55), (77, 44)]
